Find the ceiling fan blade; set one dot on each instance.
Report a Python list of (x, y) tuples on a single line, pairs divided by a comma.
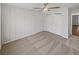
[(53, 7), (37, 8), (48, 10)]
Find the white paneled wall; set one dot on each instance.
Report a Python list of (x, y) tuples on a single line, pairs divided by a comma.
[(57, 22), (19, 22)]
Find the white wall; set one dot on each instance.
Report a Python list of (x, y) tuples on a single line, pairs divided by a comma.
[(58, 23), (19, 22), (75, 11), (69, 23), (0, 26)]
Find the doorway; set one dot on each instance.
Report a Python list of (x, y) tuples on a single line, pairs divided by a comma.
[(75, 25)]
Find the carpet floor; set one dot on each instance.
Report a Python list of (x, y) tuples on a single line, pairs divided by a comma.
[(42, 43)]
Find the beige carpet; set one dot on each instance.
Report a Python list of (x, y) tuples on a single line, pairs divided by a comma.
[(42, 43)]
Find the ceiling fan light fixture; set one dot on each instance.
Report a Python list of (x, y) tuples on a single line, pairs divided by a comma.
[(45, 9)]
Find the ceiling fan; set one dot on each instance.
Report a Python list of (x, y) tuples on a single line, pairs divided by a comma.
[(46, 8)]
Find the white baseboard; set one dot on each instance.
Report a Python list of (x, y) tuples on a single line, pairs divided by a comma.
[(27, 36), (13, 40), (58, 34), (18, 38)]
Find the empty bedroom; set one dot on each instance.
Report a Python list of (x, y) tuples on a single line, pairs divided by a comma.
[(38, 29)]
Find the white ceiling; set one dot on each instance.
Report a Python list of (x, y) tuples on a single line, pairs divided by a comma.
[(32, 5)]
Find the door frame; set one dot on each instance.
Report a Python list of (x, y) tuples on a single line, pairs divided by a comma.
[(72, 20)]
